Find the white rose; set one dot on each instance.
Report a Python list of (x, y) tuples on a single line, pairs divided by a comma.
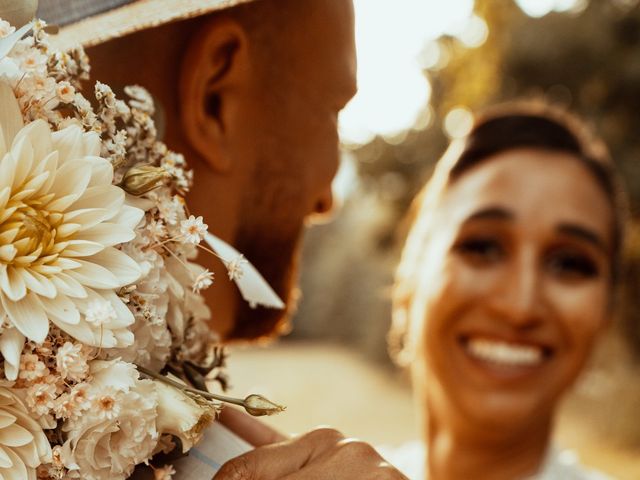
[(119, 431)]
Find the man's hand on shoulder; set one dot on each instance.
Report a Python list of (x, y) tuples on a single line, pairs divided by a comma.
[(320, 454)]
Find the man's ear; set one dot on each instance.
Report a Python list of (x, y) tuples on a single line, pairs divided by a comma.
[(214, 66)]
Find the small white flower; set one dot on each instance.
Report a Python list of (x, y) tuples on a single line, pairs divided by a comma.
[(105, 405), (100, 312), (202, 281), (71, 362), (33, 61), (6, 28), (36, 87), (31, 368), (156, 229), (65, 92), (80, 396), (40, 398), (235, 267), (169, 208), (193, 229)]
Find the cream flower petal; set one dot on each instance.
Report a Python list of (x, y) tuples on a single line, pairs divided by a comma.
[(21, 149), (7, 171), (5, 460), (129, 216), (15, 436), (5, 192), (12, 283), (69, 286), (39, 284), (62, 309), (11, 343), (28, 316), (101, 171), (108, 234), (49, 164), (69, 143), (72, 179), (10, 115), (94, 276), (88, 217), (83, 248), (6, 419), (118, 263), (17, 470), (39, 137), (101, 196)]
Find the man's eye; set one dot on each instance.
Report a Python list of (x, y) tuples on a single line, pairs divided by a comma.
[(482, 250), (572, 265)]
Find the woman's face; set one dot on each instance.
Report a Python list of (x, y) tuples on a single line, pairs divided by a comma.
[(514, 288)]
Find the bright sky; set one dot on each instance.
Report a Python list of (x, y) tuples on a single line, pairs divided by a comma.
[(394, 39)]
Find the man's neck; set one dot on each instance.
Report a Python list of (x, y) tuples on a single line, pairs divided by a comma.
[(457, 455)]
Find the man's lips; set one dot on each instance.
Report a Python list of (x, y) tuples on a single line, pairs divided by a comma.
[(505, 353)]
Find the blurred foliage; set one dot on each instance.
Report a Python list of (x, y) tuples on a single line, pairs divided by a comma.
[(587, 61)]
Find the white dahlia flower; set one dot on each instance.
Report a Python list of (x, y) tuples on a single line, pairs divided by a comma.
[(23, 444), (60, 218)]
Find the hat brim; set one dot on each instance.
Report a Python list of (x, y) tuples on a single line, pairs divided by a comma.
[(134, 17)]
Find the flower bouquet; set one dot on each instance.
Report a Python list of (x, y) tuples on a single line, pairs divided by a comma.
[(104, 340)]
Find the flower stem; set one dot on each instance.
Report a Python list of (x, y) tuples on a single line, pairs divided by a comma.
[(254, 404)]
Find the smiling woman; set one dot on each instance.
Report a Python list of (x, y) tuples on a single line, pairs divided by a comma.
[(506, 281)]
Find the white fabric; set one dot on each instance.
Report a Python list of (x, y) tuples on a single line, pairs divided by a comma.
[(559, 465)]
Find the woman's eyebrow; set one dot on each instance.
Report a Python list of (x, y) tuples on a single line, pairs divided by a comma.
[(490, 213), (583, 233)]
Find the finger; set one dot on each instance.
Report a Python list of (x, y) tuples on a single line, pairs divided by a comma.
[(275, 461), (249, 428), (349, 460)]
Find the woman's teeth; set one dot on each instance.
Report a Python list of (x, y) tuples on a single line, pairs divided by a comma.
[(504, 353)]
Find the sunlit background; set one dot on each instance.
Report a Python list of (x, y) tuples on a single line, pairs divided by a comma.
[(424, 66), (397, 47)]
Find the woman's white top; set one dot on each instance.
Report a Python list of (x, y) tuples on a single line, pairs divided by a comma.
[(410, 459)]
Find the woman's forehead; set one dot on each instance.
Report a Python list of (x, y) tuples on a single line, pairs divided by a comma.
[(536, 186)]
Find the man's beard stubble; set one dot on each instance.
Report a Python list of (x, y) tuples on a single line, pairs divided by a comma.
[(277, 259), (270, 237)]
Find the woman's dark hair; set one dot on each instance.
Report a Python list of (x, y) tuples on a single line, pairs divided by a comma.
[(506, 127)]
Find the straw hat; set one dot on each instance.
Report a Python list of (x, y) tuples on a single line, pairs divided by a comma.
[(91, 22)]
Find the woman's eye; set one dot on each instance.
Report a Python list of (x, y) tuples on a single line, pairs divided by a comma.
[(570, 264), (481, 250)]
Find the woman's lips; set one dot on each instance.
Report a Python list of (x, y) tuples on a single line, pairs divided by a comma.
[(504, 357)]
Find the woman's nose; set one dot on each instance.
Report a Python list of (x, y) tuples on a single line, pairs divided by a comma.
[(519, 298)]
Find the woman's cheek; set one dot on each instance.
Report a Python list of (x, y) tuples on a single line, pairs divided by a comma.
[(581, 311)]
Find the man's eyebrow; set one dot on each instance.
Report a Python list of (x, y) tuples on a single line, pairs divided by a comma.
[(490, 213), (583, 233)]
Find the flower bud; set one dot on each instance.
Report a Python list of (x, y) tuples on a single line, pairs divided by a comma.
[(142, 179), (259, 406)]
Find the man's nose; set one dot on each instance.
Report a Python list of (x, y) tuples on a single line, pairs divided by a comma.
[(519, 298), (324, 203)]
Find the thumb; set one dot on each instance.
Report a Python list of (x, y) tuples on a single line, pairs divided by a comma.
[(278, 460)]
